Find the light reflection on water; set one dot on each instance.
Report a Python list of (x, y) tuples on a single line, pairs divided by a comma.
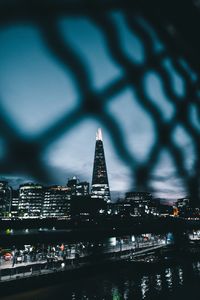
[(133, 284), (196, 267), (180, 275), (143, 286), (158, 282), (169, 278)]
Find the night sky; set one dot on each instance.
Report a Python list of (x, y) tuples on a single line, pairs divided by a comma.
[(36, 90)]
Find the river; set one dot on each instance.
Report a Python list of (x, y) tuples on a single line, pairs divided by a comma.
[(176, 282)]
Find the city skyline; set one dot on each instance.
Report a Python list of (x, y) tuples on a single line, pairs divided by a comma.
[(36, 90), (16, 181), (99, 149), (115, 195)]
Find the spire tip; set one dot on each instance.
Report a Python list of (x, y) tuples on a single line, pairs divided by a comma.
[(99, 135)]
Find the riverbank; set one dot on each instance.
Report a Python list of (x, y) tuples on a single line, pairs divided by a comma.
[(77, 269), (37, 275), (119, 282)]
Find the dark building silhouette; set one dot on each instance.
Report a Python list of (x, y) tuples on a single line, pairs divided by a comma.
[(100, 186), (78, 188), (5, 199), (85, 208), (183, 203), (186, 209), (71, 184), (14, 204), (140, 202)]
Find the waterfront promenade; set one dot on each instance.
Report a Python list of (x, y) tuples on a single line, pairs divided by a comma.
[(9, 272)]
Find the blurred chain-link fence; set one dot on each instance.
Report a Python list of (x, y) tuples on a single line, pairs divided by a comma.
[(175, 23)]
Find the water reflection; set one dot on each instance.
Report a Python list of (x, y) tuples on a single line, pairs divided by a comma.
[(115, 294), (144, 286), (180, 275), (196, 267), (158, 282), (139, 285), (134, 284), (169, 277)]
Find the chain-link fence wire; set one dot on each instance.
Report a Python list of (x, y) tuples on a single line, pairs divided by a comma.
[(176, 25)]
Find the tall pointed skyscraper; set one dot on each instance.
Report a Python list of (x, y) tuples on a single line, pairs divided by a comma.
[(100, 185)]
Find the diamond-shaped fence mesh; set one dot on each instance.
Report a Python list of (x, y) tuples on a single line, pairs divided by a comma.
[(176, 26)]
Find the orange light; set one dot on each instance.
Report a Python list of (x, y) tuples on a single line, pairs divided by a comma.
[(175, 212)]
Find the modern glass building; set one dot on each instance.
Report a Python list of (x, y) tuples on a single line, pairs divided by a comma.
[(100, 186), (30, 200), (56, 202)]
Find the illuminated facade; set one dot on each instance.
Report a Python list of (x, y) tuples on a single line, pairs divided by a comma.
[(184, 207), (56, 203), (37, 201), (183, 203), (78, 188), (5, 199), (14, 204), (140, 202), (30, 200), (100, 186)]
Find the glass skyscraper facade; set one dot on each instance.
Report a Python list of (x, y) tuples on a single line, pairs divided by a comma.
[(100, 186)]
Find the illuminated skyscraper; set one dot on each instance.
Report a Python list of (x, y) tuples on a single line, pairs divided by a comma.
[(100, 186)]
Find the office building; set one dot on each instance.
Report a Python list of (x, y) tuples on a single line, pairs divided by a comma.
[(100, 186), (56, 203), (30, 200), (5, 199), (78, 188), (14, 204), (139, 201)]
